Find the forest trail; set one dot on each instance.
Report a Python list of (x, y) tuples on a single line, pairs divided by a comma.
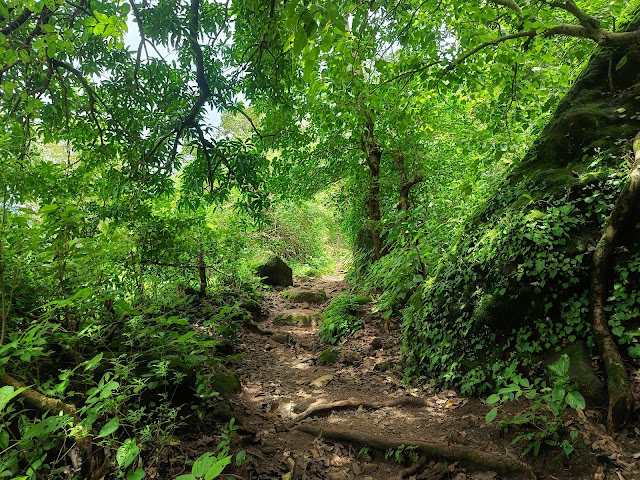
[(282, 378)]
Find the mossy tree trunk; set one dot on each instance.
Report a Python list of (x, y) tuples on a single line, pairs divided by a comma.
[(620, 396), (372, 149)]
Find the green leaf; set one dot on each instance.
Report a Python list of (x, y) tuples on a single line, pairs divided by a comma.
[(137, 475), (110, 427), (299, 42), (188, 476), (621, 63), (48, 208), (4, 439), (575, 400), (217, 468), (491, 399), (202, 465), (93, 363), (127, 453), (241, 458), (491, 415), (333, 14), (557, 394), (7, 393), (561, 366), (109, 388)]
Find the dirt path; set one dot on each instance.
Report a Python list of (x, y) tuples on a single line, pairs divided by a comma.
[(282, 380)]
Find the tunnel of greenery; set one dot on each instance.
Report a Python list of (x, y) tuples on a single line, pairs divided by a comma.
[(474, 171)]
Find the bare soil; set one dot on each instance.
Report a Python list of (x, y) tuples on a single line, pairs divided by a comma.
[(282, 380)]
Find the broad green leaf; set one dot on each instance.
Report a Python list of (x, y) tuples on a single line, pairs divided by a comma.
[(491, 415), (127, 453), (109, 427), (188, 476), (4, 439), (217, 468), (299, 42), (137, 475), (575, 400), (48, 208), (203, 464), (561, 366), (557, 394), (7, 393), (241, 458), (109, 388), (491, 399)]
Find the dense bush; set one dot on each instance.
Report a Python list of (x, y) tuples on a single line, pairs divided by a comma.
[(340, 318)]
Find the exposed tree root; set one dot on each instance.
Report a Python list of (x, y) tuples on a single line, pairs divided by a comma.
[(354, 403), (467, 456), (620, 396), (413, 468), (255, 327)]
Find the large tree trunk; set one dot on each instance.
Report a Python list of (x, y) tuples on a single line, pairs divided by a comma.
[(620, 396)]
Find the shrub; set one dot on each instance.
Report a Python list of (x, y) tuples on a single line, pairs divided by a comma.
[(340, 318)]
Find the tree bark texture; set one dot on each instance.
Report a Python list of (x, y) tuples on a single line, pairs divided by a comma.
[(373, 151)]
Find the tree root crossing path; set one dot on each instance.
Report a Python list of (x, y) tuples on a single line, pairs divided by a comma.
[(305, 415)]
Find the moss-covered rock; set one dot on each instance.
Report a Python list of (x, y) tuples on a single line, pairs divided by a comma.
[(581, 373), (273, 270), (297, 317), (514, 285), (253, 307), (226, 383), (305, 295), (328, 356)]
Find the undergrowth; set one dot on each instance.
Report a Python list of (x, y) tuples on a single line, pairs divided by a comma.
[(512, 288), (541, 424), (341, 317)]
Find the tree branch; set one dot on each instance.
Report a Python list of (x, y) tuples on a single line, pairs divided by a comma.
[(585, 19), (143, 37), (201, 78), (17, 23)]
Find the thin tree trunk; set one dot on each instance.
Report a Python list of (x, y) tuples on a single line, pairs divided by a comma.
[(620, 396), (372, 150), (405, 184), (202, 272)]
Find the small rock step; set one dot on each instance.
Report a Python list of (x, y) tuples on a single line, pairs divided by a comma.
[(299, 294), (297, 317)]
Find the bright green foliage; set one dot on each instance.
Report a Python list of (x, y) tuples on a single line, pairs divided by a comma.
[(210, 465), (543, 418), (502, 284), (127, 219), (340, 318), (403, 455)]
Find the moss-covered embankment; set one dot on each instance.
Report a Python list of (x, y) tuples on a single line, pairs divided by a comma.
[(516, 285)]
